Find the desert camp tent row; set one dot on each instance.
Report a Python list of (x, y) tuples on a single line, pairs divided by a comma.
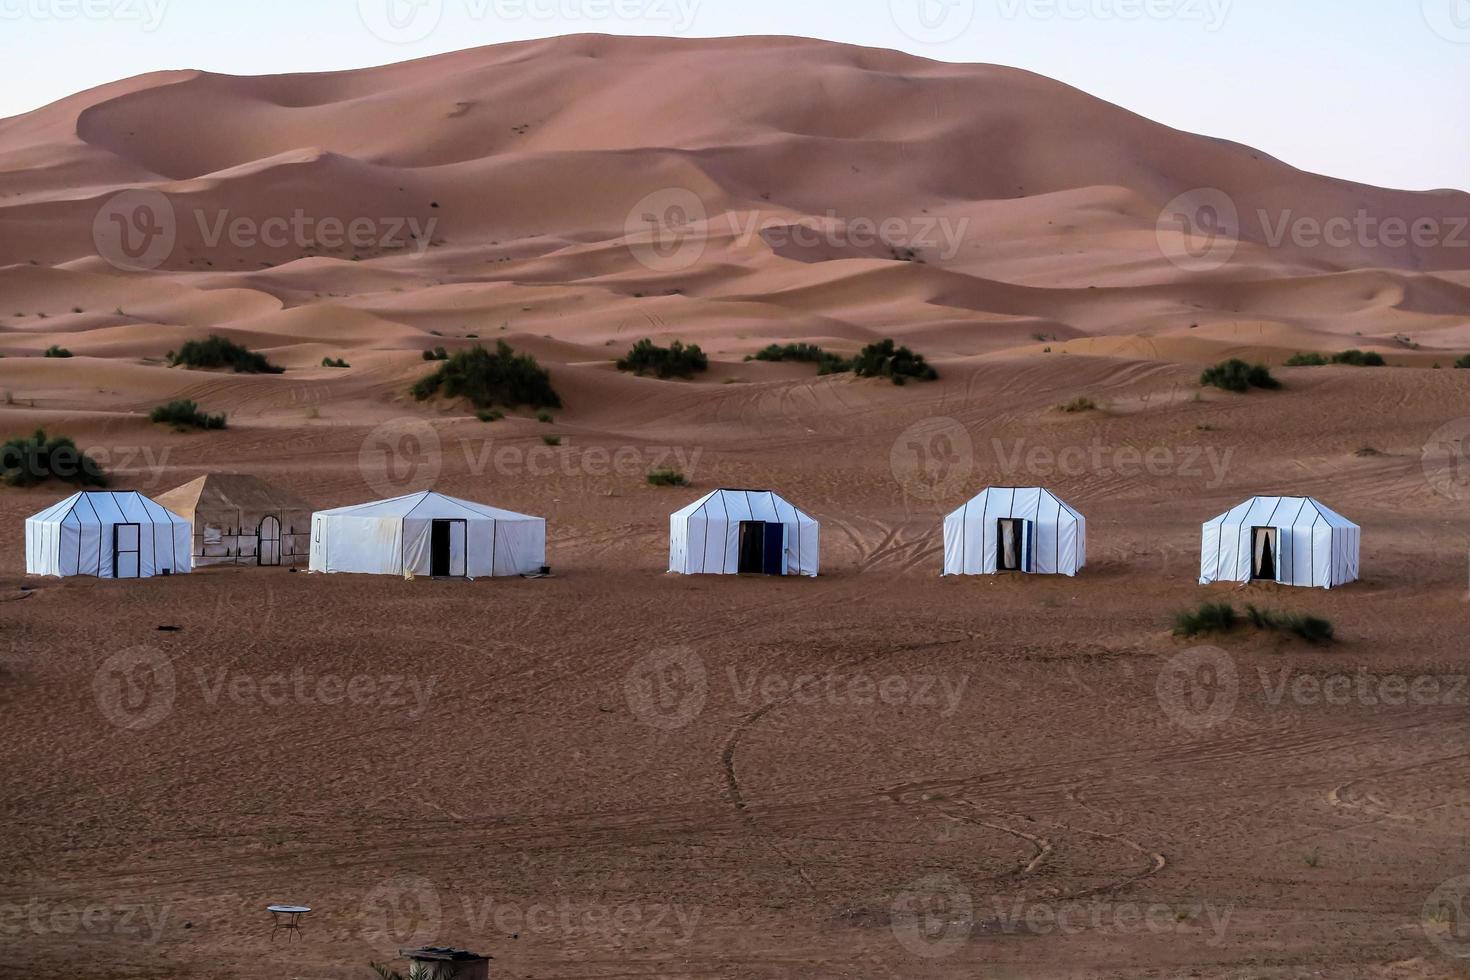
[(236, 519)]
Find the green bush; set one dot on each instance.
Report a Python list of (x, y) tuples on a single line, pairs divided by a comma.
[(1208, 617), (1463, 362), (25, 462), (184, 414), (1313, 629), (827, 363), (1079, 404), (487, 379), (667, 478), (545, 417), (334, 362), (1312, 359), (1236, 375), (56, 351), (551, 440), (490, 415), (218, 352), (437, 354), (665, 362), (1357, 358), (885, 360)]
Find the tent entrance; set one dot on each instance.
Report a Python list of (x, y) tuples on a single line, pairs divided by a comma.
[(1263, 554), (126, 551), (447, 548), (762, 548), (268, 542), (1010, 549)]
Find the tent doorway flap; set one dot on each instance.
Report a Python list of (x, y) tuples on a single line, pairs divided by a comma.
[(1263, 553)]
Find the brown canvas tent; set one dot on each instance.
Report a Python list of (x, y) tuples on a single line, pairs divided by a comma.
[(242, 520)]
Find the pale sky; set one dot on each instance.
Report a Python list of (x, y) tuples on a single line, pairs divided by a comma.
[(1370, 90)]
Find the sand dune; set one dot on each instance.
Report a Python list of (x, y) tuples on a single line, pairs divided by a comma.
[(968, 209)]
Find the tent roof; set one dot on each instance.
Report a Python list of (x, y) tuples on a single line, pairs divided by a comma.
[(1282, 512), (232, 491), (427, 503), (717, 497), (108, 507), (1005, 497)]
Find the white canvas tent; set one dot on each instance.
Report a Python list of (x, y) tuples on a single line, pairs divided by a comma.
[(427, 533), (1291, 540), (118, 534), (1015, 529), (732, 532)]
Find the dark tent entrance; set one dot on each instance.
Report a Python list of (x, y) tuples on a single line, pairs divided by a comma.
[(762, 548), (1264, 542), (447, 548), (1012, 545)]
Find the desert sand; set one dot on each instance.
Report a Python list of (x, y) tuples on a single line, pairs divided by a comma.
[(615, 772)]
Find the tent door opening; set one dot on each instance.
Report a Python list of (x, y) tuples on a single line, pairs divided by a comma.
[(1010, 553), (127, 559), (268, 542), (447, 548), (1263, 554), (762, 548)]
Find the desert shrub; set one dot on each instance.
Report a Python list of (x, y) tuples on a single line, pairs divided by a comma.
[(1463, 362), (184, 414), (218, 352), (551, 440), (1079, 404), (1357, 358), (885, 360), (827, 362), (666, 362), (437, 354), (545, 417), (667, 478), (1306, 359), (490, 415), (1208, 617), (56, 351), (1313, 629), (334, 362), (1236, 375), (27, 461), (487, 379)]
